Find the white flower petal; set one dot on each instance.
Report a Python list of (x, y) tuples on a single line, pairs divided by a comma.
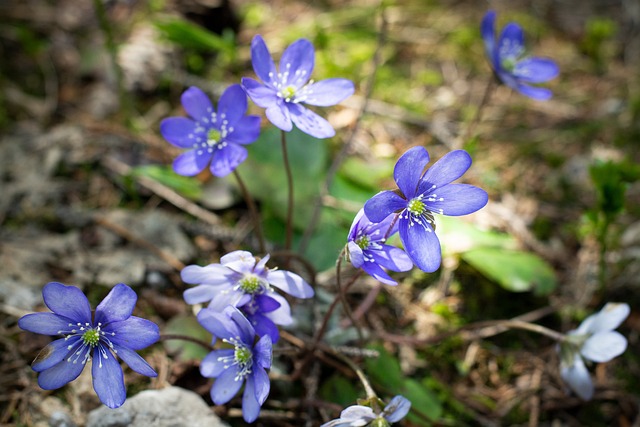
[(578, 379), (604, 346)]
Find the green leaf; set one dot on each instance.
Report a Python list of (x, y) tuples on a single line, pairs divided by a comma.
[(193, 36), (515, 271), (424, 403), (385, 370), (367, 174), (185, 185), (458, 236), (340, 390), (185, 350)]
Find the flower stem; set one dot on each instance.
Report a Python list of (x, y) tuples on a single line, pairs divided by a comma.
[(371, 394), (533, 327), (491, 85), (255, 216), (287, 168)]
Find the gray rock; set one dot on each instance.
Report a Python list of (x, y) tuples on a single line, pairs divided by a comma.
[(61, 419), (169, 407)]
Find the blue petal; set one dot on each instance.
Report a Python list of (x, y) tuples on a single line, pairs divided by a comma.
[(54, 353), (536, 70), (397, 409), (197, 104), (511, 43), (263, 96), (282, 315), (264, 326), (449, 168), (290, 283), (117, 305), (200, 294), (326, 92), (457, 199), (246, 332), (177, 130), (219, 324), (309, 122), (261, 384), (382, 205), (375, 271), (190, 163), (240, 261), (422, 245), (232, 104), (135, 362), (359, 222), (263, 352), (45, 323), (487, 29), (392, 258), (263, 64), (245, 131), (59, 375), (225, 386), (296, 63), (250, 405), (211, 366), (355, 254), (67, 301), (108, 379), (408, 170), (227, 159), (212, 274), (533, 92), (278, 114), (266, 304), (135, 333)]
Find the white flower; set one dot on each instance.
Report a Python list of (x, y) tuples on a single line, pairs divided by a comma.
[(359, 415), (594, 340)]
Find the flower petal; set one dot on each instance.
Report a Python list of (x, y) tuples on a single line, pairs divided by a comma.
[(536, 70), (264, 326), (282, 315), (488, 31), (375, 271), (191, 163), (200, 294), (213, 363), (408, 170), (225, 386), (326, 92), (247, 333), (262, 61), (108, 379), (117, 305), (261, 385), (212, 274), (392, 258), (263, 96), (135, 361), (263, 353), (511, 42), (355, 254), (421, 244), (533, 92), (244, 131), (240, 261), (45, 323), (232, 104), (296, 63), (135, 333), (278, 114), (310, 123), (219, 324), (197, 104), (227, 159), (607, 319), (177, 131), (290, 283), (59, 375), (250, 405), (397, 409), (54, 353), (457, 199), (265, 303), (383, 204), (577, 377), (450, 167), (357, 413), (67, 301), (604, 346)]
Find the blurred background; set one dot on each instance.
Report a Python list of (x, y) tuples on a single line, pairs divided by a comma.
[(88, 197)]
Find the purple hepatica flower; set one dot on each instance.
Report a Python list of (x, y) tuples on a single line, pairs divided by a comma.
[(367, 248), (215, 137), (283, 92), (244, 362), (359, 415), (242, 281), (594, 340), (113, 330), (423, 194), (510, 63)]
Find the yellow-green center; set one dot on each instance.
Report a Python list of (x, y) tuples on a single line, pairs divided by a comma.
[(213, 137), (91, 337), (416, 207), (509, 63), (250, 284), (363, 242), (288, 92), (242, 355), (380, 422)]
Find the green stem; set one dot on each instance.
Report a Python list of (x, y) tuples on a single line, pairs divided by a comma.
[(519, 324), (255, 216), (287, 168), (371, 394), (491, 85)]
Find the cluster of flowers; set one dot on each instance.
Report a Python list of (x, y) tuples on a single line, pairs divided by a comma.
[(244, 310)]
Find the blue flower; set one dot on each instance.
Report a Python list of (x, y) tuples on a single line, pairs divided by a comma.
[(359, 415), (594, 340), (367, 248), (112, 331), (242, 362), (286, 89), (510, 62), (420, 195), (214, 137), (244, 282)]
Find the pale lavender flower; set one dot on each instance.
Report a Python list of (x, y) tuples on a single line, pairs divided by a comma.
[(283, 91), (359, 415), (112, 331), (594, 340)]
